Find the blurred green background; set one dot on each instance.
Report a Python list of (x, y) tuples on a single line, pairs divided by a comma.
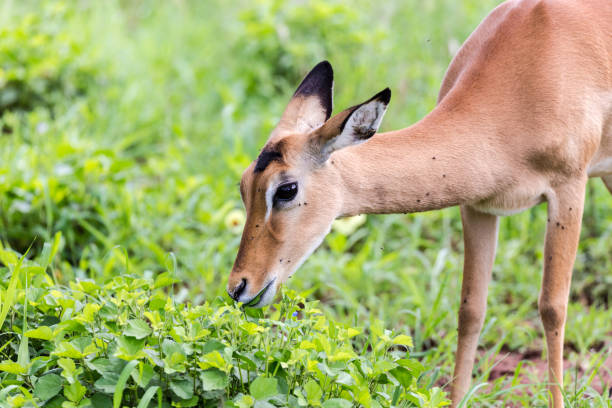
[(126, 126)]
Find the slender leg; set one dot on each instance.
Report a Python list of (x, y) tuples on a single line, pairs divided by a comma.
[(562, 234), (480, 240)]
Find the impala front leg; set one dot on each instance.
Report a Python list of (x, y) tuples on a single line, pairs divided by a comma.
[(480, 241), (562, 235)]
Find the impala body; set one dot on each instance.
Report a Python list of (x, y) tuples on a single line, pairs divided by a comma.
[(524, 116)]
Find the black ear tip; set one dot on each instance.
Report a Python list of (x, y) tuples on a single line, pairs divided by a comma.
[(319, 80), (324, 69), (384, 96)]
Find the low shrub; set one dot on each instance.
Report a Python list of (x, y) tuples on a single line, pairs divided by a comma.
[(128, 343), (39, 62)]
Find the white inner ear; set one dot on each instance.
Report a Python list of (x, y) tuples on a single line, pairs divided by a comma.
[(359, 127)]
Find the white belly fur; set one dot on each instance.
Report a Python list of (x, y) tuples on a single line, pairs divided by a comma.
[(600, 168)]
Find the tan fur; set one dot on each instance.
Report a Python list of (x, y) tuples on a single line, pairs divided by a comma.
[(524, 116)]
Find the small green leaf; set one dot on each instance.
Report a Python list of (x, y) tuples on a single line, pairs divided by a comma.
[(74, 392), (164, 279), (69, 372), (143, 374), (137, 328), (213, 379), (48, 386), (403, 340), (263, 388)]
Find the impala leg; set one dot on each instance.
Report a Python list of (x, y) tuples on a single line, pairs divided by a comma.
[(562, 235), (480, 241)]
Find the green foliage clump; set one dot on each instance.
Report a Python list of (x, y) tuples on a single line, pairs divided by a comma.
[(128, 343), (293, 34), (40, 63)]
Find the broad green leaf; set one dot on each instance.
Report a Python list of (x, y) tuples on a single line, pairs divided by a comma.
[(245, 401), (263, 388), (213, 359), (403, 376), (12, 367), (313, 392), (337, 403), (107, 384), (99, 400), (130, 348), (48, 386), (191, 402), (213, 379), (137, 328), (41, 332), (175, 363), (182, 387), (105, 366)]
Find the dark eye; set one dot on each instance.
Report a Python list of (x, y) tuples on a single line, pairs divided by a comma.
[(286, 192)]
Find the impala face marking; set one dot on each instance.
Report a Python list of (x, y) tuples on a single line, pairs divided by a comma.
[(291, 192), (266, 157)]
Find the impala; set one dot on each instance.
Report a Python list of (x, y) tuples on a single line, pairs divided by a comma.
[(524, 116)]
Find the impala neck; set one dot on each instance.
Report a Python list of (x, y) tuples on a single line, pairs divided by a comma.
[(442, 161)]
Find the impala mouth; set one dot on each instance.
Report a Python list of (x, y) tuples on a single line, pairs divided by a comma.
[(256, 300)]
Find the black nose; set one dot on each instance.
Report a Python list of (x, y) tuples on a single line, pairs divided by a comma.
[(239, 289)]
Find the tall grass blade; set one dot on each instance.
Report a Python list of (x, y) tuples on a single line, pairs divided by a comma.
[(147, 397), (127, 370), (11, 290)]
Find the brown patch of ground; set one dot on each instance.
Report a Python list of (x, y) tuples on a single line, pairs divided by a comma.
[(534, 366), (534, 370)]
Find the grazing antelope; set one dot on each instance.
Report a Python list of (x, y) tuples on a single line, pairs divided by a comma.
[(524, 116)]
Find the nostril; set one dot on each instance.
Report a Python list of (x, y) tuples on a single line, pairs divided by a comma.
[(239, 289)]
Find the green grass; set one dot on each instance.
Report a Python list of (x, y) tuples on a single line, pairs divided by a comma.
[(126, 126)]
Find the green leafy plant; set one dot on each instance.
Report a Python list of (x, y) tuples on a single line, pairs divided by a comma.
[(127, 343)]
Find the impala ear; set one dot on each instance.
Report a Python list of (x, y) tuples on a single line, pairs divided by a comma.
[(353, 126), (311, 104)]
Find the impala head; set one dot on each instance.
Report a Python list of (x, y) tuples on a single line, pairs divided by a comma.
[(291, 192)]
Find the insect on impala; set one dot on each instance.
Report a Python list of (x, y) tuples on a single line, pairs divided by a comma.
[(524, 116)]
